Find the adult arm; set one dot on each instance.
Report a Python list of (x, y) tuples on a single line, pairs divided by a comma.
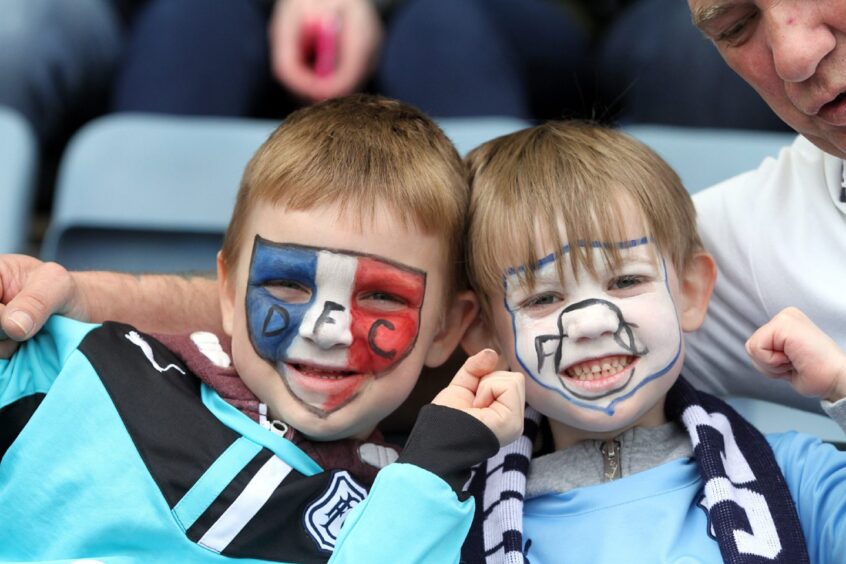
[(32, 290)]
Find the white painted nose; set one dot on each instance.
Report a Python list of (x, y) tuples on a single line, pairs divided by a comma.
[(327, 325), (590, 322)]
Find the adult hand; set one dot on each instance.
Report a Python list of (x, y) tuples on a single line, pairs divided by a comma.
[(495, 397), (791, 347), (322, 49), (30, 291)]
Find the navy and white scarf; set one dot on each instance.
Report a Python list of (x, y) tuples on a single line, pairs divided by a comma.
[(736, 463)]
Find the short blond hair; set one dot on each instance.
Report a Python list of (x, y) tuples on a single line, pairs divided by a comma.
[(528, 184), (361, 153)]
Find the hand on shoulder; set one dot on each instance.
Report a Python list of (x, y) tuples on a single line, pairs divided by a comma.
[(30, 292)]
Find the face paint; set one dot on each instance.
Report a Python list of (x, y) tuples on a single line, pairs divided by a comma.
[(328, 320), (596, 341)]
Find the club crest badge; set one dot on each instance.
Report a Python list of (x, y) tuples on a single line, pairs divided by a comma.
[(324, 517)]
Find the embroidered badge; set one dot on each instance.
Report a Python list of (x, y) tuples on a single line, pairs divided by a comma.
[(324, 517)]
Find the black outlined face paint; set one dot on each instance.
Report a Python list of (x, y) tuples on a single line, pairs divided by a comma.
[(329, 319), (596, 341)]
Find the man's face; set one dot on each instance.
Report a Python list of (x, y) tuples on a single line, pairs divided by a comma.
[(600, 351), (330, 324), (793, 52)]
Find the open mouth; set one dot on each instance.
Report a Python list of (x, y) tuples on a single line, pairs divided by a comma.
[(599, 377), (598, 368), (320, 372)]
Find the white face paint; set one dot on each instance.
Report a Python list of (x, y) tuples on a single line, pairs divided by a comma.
[(596, 342)]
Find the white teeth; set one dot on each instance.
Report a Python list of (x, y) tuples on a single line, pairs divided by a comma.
[(592, 370)]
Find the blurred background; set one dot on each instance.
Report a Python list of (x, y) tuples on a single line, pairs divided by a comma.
[(124, 124)]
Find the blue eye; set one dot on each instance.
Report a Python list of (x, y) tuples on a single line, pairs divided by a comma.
[(625, 282), (541, 300)]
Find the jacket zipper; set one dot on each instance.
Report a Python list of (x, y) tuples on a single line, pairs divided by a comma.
[(611, 468)]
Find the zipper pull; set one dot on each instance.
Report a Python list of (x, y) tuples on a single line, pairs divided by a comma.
[(276, 427), (611, 460)]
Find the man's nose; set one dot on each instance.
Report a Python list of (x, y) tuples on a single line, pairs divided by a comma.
[(327, 326), (799, 39), (589, 322)]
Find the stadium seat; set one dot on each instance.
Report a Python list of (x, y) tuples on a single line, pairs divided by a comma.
[(774, 418), (703, 157), (142, 193), (18, 157)]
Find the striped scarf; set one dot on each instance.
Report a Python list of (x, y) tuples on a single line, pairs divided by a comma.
[(743, 485)]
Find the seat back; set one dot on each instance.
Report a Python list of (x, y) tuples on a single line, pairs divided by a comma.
[(142, 193), (18, 157), (704, 157)]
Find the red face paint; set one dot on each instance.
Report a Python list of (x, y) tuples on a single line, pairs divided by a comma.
[(385, 310)]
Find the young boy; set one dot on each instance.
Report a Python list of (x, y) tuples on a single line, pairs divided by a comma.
[(337, 284), (584, 252)]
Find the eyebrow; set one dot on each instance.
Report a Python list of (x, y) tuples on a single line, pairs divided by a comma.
[(621, 245), (702, 17)]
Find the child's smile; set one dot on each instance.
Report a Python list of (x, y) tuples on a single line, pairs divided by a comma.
[(330, 319), (332, 322), (601, 348), (597, 377)]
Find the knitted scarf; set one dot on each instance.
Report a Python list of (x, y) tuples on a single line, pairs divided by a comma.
[(735, 461)]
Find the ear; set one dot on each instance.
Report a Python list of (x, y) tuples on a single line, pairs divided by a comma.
[(458, 316), (226, 294), (478, 337), (696, 284)]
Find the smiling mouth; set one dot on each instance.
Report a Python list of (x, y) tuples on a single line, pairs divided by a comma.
[(598, 377), (321, 389), (321, 372), (598, 368)]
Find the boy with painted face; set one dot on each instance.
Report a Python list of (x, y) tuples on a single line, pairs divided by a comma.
[(584, 251), (337, 284)]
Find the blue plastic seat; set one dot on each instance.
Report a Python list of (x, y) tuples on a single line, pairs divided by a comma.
[(18, 157), (141, 193), (704, 157)]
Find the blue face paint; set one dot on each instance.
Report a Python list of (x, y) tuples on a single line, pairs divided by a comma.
[(273, 323)]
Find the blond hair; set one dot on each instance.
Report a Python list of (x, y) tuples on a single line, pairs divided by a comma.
[(577, 175), (362, 153)]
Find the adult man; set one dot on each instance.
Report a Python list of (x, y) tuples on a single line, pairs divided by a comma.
[(778, 233)]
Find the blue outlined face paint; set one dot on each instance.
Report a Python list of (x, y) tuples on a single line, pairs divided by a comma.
[(328, 320), (596, 341)]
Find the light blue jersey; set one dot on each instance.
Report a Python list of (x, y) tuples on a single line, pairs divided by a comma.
[(654, 516)]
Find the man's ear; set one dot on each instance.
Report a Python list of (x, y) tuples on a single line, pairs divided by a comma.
[(696, 284), (459, 314), (226, 294)]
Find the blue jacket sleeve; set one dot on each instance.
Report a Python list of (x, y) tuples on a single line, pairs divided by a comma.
[(816, 475), (416, 511)]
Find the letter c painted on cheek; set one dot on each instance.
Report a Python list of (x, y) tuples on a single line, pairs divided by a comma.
[(371, 339)]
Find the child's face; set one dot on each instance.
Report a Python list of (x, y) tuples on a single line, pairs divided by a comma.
[(331, 324), (600, 352)]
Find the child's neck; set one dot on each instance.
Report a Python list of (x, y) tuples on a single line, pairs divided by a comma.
[(565, 436)]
